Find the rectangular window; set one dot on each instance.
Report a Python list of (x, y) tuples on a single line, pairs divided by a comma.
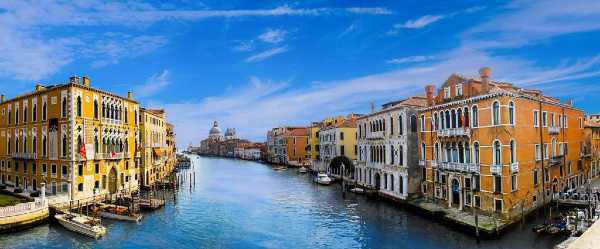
[(65, 172), (536, 118), (422, 123), (498, 205), (545, 119), (476, 181), (97, 168), (446, 92), (497, 184), (53, 169), (552, 120), (44, 169), (546, 156), (538, 152), (80, 169), (459, 90), (342, 151), (341, 136), (535, 177), (513, 182)]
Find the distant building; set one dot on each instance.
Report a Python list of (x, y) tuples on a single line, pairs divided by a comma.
[(337, 138), (287, 145), (387, 149)]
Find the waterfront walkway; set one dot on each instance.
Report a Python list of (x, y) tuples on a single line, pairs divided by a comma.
[(486, 223)]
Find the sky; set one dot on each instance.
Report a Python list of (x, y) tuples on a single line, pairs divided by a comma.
[(254, 65)]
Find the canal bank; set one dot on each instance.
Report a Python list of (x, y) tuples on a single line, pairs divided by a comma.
[(242, 204)]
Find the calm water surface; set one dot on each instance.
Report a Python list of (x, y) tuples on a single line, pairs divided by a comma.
[(240, 204)]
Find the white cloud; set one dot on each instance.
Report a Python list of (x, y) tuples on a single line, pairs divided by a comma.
[(266, 54), (273, 36), (420, 22), (154, 84), (411, 59), (372, 11)]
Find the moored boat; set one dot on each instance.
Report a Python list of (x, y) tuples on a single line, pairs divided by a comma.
[(116, 212), (81, 224), (323, 179), (302, 169), (357, 190)]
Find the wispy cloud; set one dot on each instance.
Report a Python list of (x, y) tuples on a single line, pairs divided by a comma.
[(411, 59), (420, 22), (154, 84), (266, 54), (273, 36), (372, 11)]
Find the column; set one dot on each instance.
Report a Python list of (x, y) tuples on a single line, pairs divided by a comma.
[(404, 185), (449, 189), (460, 198)]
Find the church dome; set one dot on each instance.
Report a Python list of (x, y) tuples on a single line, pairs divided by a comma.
[(215, 130)]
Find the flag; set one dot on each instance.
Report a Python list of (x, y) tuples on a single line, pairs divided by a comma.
[(113, 154), (82, 151)]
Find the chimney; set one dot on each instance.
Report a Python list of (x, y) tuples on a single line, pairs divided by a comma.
[(2, 98), (86, 81), (429, 89), (73, 80), (484, 74), (130, 95), (569, 102), (39, 87)]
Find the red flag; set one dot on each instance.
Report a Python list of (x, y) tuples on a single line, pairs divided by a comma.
[(82, 151), (113, 154)]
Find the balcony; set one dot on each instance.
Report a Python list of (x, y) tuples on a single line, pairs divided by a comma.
[(463, 167), (514, 167), (110, 156), (421, 162), (553, 130), (26, 156), (555, 160), (375, 135), (496, 169), (111, 121), (455, 132)]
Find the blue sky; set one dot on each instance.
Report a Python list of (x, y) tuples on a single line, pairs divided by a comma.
[(254, 65)]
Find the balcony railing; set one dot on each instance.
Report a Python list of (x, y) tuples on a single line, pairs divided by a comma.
[(455, 132), (421, 162), (496, 169), (464, 167), (514, 167), (377, 134), (28, 156), (110, 156), (556, 160), (434, 164), (553, 130)]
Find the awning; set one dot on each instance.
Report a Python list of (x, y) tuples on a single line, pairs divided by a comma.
[(158, 152)]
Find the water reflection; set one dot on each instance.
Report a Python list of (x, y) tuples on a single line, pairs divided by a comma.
[(240, 204)]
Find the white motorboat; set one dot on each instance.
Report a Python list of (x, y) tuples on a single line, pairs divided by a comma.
[(357, 190), (323, 179), (115, 212), (82, 224), (302, 169)]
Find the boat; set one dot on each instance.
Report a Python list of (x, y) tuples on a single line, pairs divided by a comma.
[(323, 179), (116, 212), (82, 224), (279, 168), (357, 190), (302, 170)]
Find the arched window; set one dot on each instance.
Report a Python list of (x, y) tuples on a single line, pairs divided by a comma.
[(513, 152), (392, 154), (392, 125), (466, 117), (468, 153), (400, 155), (497, 153), (437, 152), (453, 116), (17, 144), (79, 106), (475, 116), (25, 114), (400, 125), (554, 147), (96, 109), (448, 122), (476, 152), (96, 144), (103, 110), (511, 113), (44, 109), (436, 121), (34, 145), (64, 146), (461, 121), (34, 113), (44, 148), (413, 123), (63, 107), (496, 113)]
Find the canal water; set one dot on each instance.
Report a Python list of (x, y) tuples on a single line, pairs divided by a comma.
[(241, 204)]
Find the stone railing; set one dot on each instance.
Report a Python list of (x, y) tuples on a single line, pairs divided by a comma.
[(23, 208), (464, 167), (454, 132), (514, 167), (553, 130), (21, 155), (111, 121), (375, 135), (496, 169), (110, 156)]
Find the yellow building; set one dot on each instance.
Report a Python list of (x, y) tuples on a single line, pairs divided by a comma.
[(171, 149), (75, 138), (337, 138), (153, 131), (312, 148)]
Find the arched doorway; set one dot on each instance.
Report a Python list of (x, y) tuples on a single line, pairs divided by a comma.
[(377, 181), (336, 166), (112, 181), (455, 192)]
